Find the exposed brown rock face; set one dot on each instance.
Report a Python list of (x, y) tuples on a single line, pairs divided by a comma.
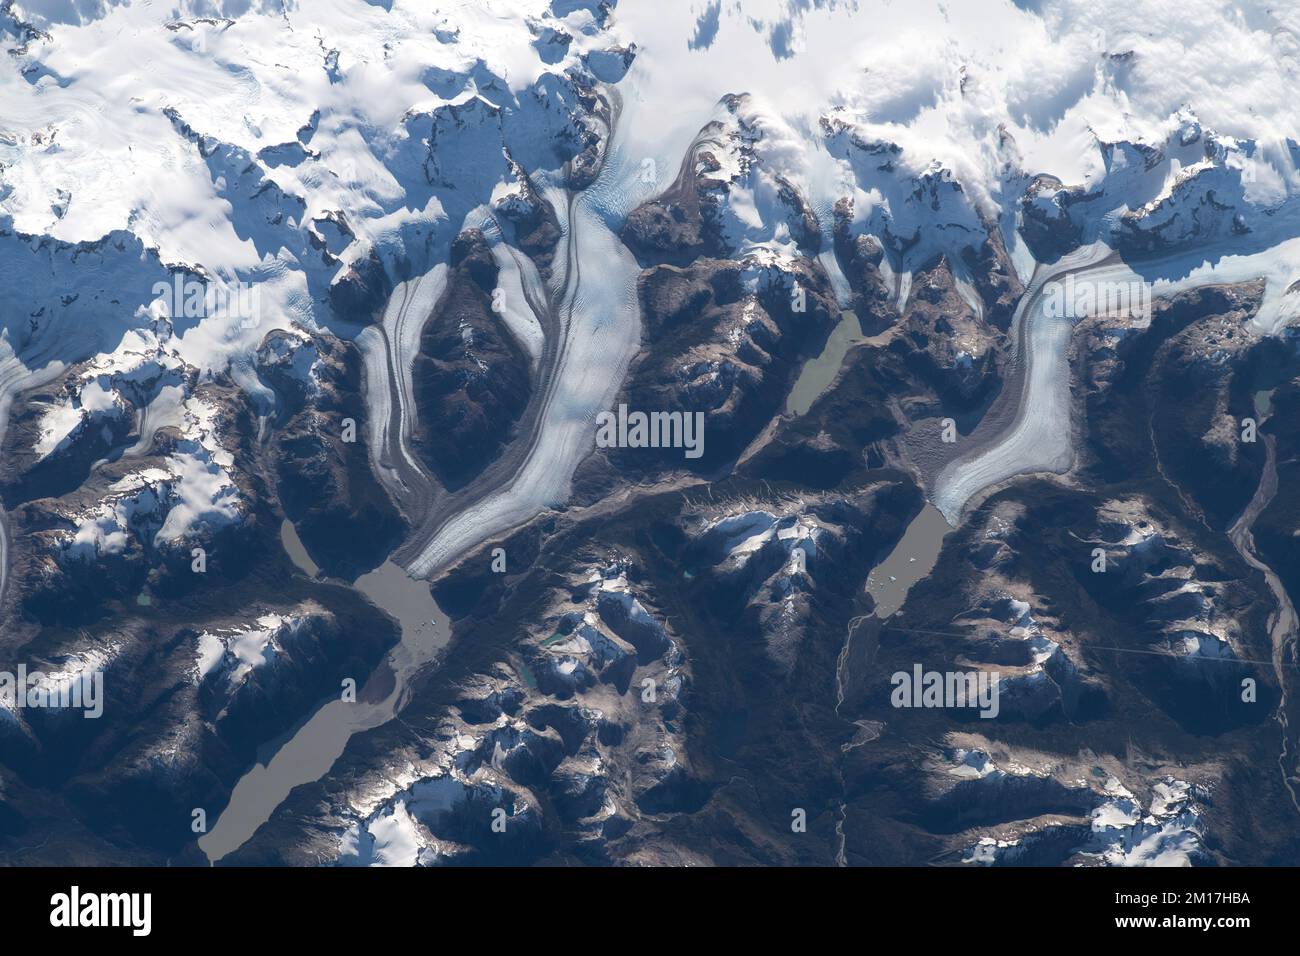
[(957, 351), (471, 377), (717, 348), (324, 482)]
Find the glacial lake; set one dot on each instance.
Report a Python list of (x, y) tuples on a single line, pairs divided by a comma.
[(309, 751)]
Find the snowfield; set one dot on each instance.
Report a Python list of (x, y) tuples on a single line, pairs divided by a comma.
[(301, 143)]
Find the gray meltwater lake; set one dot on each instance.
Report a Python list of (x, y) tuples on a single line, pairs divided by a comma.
[(818, 373), (910, 561), (311, 748), (914, 556)]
